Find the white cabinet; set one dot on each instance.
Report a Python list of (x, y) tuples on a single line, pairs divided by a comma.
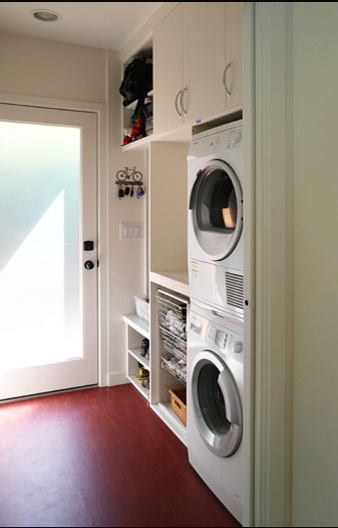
[(197, 63), (233, 46), (168, 71), (204, 59)]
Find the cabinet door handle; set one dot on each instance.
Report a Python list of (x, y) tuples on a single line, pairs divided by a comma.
[(176, 100), (181, 100), (225, 80)]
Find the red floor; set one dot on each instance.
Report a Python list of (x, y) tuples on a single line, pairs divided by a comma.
[(97, 457)]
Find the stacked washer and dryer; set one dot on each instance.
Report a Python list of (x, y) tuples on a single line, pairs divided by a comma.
[(216, 320)]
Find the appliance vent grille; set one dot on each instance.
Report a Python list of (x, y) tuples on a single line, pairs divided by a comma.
[(234, 290)]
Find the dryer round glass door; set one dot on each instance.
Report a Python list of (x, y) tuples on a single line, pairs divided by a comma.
[(217, 404), (216, 203)]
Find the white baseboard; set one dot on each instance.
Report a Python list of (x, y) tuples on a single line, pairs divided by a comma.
[(116, 378)]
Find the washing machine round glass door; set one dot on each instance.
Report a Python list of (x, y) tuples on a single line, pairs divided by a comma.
[(217, 404), (216, 202)]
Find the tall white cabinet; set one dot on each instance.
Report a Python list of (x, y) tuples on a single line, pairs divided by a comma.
[(197, 80)]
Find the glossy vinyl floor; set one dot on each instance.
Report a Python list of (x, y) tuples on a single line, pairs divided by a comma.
[(98, 457)]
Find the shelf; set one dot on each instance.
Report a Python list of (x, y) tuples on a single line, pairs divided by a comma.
[(137, 144), (181, 135), (163, 410), (141, 326), (143, 391), (136, 353), (177, 281), (185, 133)]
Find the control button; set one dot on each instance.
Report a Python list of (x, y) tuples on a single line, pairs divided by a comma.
[(220, 339), (238, 347)]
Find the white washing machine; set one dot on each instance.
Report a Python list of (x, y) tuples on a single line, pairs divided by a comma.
[(215, 217), (214, 402)]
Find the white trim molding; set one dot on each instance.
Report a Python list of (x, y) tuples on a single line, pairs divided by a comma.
[(117, 378), (273, 263), (249, 263)]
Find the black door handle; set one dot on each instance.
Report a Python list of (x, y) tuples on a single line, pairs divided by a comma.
[(89, 265)]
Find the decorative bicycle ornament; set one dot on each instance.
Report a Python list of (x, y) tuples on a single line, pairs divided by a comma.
[(127, 179), (129, 175)]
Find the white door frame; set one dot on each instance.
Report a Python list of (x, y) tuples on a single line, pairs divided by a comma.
[(269, 256), (102, 250)]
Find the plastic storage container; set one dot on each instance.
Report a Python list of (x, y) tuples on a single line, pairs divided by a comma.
[(142, 307)]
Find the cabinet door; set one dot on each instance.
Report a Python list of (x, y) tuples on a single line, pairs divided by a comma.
[(204, 59), (233, 47), (168, 71)]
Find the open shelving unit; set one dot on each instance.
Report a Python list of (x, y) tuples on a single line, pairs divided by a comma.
[(136, 330), (144, 52), (167, 266)]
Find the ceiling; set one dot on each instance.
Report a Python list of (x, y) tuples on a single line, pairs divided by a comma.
[(107, 25)]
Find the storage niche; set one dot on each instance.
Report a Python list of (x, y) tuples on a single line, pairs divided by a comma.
[(136, 90), (168, 206)]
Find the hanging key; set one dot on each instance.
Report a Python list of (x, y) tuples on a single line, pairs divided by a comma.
[(120, 193)]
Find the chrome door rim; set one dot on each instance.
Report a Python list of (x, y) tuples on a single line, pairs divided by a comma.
[(226, 442), (229, 241)]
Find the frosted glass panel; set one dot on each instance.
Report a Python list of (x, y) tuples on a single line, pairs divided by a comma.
[(40, 321)]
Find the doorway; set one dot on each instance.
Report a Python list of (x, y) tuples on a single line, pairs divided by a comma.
[(48, 250)]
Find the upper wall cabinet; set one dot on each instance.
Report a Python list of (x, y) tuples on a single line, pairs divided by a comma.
[(232, 77), (168, 71), (197, 63)]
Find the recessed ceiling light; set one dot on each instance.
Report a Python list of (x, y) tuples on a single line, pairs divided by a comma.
[(45, 15)]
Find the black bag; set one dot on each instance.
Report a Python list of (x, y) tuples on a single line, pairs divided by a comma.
[(137, 80)]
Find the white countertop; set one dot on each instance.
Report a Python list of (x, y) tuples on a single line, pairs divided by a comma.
[(177, 281)]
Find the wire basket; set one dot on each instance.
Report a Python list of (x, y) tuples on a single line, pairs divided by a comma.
[(174, 345), (177, 368), (172, 313)]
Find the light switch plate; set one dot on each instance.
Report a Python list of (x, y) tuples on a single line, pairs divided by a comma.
[(130, 231)]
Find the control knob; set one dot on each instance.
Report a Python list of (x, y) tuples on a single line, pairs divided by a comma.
[(238, 347)]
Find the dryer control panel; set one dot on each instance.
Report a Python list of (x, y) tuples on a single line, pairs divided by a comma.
[(217, 142)]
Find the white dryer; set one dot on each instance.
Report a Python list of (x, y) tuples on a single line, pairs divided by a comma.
[(215, 217), (214, 402)]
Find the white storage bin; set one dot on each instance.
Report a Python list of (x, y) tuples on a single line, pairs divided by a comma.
[(142, 307)]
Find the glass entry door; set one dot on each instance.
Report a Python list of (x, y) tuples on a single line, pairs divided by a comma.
[(48, 294)]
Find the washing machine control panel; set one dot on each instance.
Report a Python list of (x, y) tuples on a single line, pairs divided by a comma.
[(203, 331), (224, 340)]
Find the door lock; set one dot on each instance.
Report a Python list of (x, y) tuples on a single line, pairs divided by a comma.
[(88, 245), (89, 265)]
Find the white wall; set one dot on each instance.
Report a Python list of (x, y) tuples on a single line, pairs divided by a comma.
[(315, 76), (45, 68), (127, 257)]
